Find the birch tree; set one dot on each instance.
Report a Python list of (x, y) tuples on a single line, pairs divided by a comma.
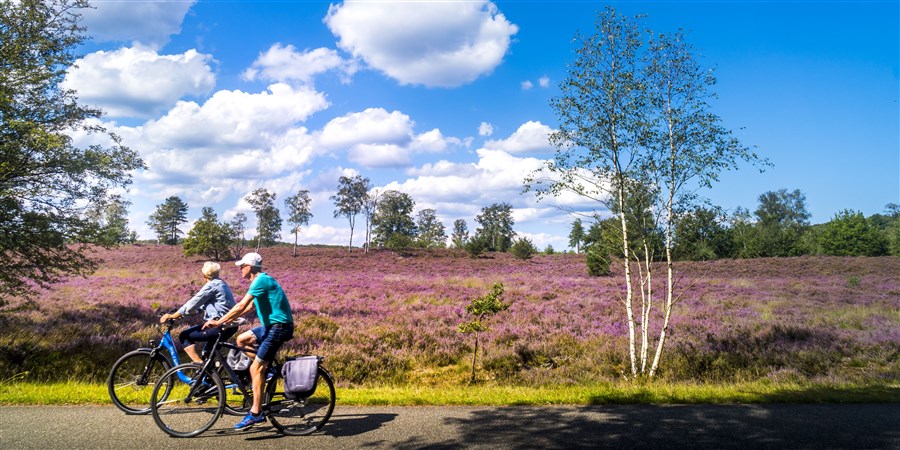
[(268, 218), (689, 146), (349, 200), (298, 207), (636, 136), (601, 118)]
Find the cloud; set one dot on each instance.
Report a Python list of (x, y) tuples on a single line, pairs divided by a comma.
[(435, 44), (372, 126), (235, 119), (150, 23), (285, 63), (527, 85), (139, 82), (531, 137), (485, 129), (544, 81), (378, 138)]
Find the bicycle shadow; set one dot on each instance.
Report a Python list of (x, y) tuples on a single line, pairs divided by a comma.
[(340, 425)]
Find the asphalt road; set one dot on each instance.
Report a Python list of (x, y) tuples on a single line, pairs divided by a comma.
[(779, 426)]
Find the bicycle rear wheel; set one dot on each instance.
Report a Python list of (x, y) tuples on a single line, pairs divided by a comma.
[(305, 416), (132, 378), (184, 413)]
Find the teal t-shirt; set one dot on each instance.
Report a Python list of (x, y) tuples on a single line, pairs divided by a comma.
[(272, 305)]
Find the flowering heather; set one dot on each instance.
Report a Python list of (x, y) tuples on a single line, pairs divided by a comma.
[(384, 318)]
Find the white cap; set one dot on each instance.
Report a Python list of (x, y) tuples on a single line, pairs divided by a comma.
[(250, 259)]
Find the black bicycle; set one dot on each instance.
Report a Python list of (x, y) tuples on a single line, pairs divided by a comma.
[(132, 377), (188, 409)]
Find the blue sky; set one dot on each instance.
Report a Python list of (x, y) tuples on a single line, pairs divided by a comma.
[(449, 101)]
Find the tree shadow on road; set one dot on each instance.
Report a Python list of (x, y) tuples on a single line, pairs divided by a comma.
[(678, 426)]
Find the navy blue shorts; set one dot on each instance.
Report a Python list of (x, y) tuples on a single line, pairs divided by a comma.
[(197, 334), (271, 338)]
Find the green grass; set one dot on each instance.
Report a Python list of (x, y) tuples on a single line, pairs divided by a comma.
[(77, 393)]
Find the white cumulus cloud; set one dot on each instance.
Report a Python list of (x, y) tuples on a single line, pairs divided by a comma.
[(148, 22), (139, 82), (531, 137), (435, 44), (286, 63)]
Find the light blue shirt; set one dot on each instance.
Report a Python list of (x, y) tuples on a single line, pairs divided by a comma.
[(215, 299)]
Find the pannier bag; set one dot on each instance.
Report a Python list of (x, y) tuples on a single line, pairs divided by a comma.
[(300, 376), (238, 360)]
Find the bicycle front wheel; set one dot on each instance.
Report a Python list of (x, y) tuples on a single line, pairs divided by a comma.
[(237, 404), (131, 380), (303, 416), (187, 411)]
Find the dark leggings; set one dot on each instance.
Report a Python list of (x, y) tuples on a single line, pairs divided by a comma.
[(197, 334)]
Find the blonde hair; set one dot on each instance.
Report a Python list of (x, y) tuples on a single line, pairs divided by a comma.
[(211, 270)]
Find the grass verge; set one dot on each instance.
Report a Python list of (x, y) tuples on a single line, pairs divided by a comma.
[(77, 393)]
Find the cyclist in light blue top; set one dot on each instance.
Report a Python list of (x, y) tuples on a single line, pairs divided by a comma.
[(274, 312), (215, 300)]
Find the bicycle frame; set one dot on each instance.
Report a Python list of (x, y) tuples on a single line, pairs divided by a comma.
[(166, 342)]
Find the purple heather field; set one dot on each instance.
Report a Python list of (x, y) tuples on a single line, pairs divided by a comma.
[(384, 318)]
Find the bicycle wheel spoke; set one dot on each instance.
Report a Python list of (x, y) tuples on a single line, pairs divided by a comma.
[(131, 381), (181, 413), (303, 416)]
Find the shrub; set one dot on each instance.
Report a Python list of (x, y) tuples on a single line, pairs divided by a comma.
[(523, 249), (597, 263)]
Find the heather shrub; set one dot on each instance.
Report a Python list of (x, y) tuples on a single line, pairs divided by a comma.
[(382, 319)]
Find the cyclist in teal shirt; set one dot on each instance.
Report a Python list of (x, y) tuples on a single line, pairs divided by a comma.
[(277, 327)]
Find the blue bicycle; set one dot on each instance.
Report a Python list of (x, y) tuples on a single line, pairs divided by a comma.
[(133, 376)]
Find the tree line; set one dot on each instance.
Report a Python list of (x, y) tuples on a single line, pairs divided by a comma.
[(778, 227), (388, 218)]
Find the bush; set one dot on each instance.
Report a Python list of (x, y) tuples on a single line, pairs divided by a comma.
[(476, 246), (597, 263), (523, 249)]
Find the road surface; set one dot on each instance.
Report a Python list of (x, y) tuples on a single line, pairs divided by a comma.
[(777, 426)]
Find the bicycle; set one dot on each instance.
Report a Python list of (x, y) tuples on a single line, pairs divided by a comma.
[(132, 377), (187, 410)]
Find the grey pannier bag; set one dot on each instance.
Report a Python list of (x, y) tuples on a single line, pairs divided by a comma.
[(238, 360), (299, 375)]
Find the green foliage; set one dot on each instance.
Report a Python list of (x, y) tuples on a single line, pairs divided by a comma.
[(351, 198), (523, 248), (237, 232), (475, 246), (209, 237), (166, 219), (577, 235), (460, 233), (110, 220), (850, 234), (430, 230), (782, 219), (598, 262), (480, 309), (393, 216), (496, 226), (268, 218), (549, 250), (45, 180), (701, 235), (298, 206)]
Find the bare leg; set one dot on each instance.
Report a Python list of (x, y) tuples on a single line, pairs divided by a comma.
[(191, 351), (247, 340), (258, 378)]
